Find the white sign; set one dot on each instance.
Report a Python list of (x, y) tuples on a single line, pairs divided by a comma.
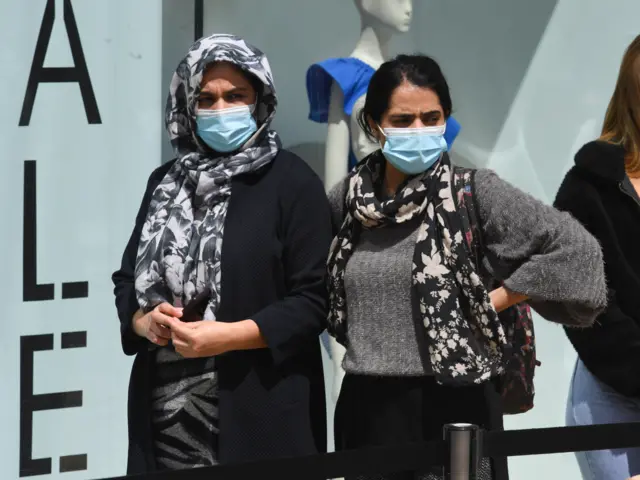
[(80, 131)]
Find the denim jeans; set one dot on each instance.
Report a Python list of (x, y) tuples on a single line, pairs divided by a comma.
[(592, 402)]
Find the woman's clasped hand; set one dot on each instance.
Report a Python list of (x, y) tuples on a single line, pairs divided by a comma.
[(155, 325), (194, 339)]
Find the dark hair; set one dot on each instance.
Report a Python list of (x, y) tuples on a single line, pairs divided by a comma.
[(418, 70)]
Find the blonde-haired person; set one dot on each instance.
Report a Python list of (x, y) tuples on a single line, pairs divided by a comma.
[(603, 191)]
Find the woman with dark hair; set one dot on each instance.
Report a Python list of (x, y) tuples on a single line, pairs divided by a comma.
[(602, 191), (242, 228), (424, 342)]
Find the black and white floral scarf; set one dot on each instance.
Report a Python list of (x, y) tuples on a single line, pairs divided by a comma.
[(463, 332), (180, 247)]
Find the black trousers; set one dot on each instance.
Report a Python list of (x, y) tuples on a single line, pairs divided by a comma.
[(377, 411)]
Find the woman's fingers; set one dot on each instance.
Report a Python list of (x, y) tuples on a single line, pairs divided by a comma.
[(185, 352), (154, 338), (160, 331), (169, 310), (161, 319), (158, 324), (179, 343), (181, 329)]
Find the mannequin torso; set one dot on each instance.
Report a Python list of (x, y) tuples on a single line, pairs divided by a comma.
[(344, 133)]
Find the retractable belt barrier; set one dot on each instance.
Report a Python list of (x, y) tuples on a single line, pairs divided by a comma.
[(543, 441), (418, 456), (421, 456)]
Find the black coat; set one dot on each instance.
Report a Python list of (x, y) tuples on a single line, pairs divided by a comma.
[(599, 194), (276, 239)]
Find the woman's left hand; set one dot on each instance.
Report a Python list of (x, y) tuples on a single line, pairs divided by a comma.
[(210, 338), (501, 298), (201, 339)]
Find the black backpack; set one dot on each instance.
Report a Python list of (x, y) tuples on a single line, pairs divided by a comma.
[(516, 383)]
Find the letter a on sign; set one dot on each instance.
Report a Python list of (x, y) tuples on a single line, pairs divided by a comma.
[(41, 74)]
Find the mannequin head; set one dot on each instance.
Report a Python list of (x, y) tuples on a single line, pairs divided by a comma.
[(391, 14)]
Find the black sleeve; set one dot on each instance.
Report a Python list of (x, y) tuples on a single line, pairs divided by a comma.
[(336, 197), (300, 317), (611, 348), (123, 279)]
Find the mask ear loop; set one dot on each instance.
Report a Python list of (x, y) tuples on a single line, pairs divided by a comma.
[(383, 134)]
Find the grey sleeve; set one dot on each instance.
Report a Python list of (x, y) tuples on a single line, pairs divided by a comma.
[(540, 252), (336, 200)]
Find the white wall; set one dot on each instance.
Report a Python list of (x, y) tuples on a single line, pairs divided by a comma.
[(90, 180), (177, 36)]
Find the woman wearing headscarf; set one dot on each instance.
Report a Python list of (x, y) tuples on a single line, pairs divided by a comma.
[(237, 216)]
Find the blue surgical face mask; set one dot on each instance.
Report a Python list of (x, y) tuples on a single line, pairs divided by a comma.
[(228, 129), (414, 150)]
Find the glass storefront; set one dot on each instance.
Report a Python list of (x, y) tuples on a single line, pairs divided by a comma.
[(84, 87)]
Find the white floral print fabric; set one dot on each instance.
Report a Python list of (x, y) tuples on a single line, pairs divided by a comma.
[(463, 332), (180, 247)]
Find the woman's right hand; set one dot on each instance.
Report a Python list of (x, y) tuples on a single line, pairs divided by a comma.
[(154, 326)]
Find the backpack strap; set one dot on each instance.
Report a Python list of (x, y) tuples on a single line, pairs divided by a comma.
[(516, 383), (463, 186)]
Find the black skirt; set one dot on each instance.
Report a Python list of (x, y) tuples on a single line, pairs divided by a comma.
[(377, 411)]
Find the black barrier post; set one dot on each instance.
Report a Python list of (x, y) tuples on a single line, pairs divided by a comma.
[(464, 451)]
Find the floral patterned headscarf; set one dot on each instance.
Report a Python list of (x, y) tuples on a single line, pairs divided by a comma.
[(179, 254)]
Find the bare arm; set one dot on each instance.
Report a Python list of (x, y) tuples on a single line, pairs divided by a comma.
[(502, 298), (336, 163), (336, 158), (360, 143)]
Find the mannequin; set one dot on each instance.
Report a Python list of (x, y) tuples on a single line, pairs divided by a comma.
[(337, 90)]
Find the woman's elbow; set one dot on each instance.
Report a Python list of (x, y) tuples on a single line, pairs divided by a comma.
[(586, 275)]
